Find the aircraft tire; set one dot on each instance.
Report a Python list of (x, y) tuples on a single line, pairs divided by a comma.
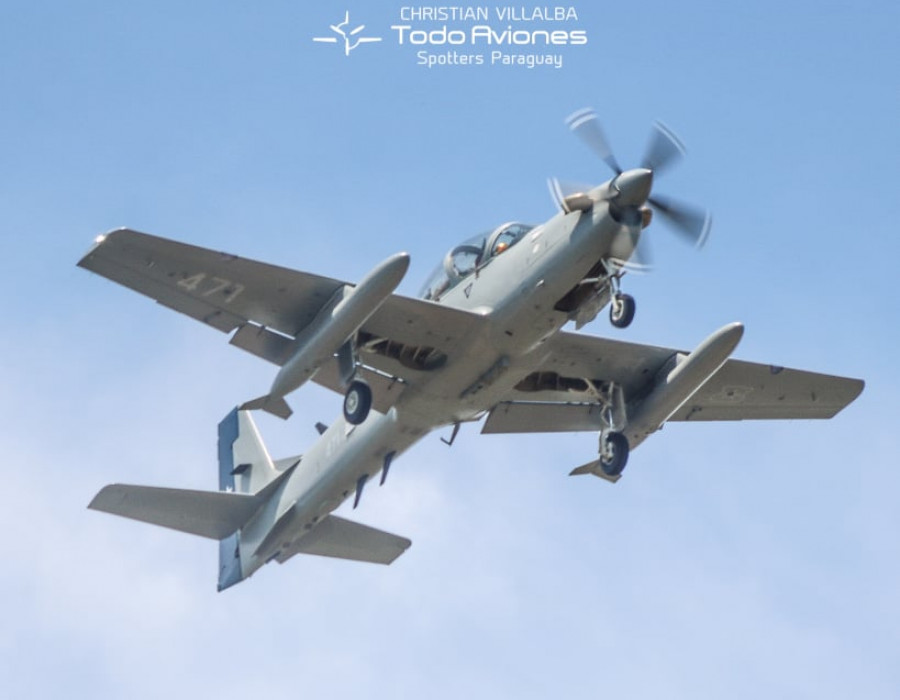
[(357, 402), (618, 458), (621, 311)]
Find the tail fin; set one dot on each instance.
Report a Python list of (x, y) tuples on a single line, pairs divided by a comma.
[(244, 467), (244, 463), (247, 479)]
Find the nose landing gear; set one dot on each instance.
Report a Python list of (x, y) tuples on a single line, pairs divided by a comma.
[(621, 310), (621, 307)]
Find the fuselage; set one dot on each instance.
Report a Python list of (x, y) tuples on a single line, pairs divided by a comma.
[(517, 291)]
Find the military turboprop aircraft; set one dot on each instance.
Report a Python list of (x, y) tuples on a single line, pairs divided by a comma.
[(484, 340)]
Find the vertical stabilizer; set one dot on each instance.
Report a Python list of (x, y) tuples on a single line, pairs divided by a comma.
[(244, 463), (244, 467)]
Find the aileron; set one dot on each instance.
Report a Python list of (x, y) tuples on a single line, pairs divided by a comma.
[(749, 391), (543, 417)]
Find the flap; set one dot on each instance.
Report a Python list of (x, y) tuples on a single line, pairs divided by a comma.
[(537, 417), (344, 539), (631, 365), (262, 342)]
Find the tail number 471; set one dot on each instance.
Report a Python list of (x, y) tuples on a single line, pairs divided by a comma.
[(204, 285)]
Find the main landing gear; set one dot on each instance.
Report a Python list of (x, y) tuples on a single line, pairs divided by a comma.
[(611, 411), (613, 453), (613, 446), (358, 398), (357, 402)]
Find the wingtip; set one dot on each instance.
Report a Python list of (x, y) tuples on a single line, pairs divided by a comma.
[(84, 262), (102, 499), (98, 241)]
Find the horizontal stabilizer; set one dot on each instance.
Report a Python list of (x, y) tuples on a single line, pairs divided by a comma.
[(276, 406), (595, 469), (212, 514), (344, 539)]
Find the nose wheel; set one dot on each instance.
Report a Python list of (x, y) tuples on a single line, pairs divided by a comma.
[(621, 310), (357, 402), (621, 306)]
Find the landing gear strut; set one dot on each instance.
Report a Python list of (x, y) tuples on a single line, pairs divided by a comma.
[(614, 446)]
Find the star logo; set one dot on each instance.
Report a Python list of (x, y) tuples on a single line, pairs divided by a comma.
[(351, 40)]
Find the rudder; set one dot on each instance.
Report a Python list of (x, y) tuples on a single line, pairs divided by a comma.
[(244, 467)]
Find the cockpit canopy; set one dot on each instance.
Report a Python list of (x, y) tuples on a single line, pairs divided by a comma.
[(470, 255)]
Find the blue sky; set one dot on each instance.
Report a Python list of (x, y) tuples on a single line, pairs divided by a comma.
[(736, 561)]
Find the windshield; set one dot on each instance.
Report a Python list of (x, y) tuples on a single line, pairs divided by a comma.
[(468, 256)]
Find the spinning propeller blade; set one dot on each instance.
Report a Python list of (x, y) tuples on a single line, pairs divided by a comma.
[(556, 192), (690, 223), (586, 126), (664, 149), (640, 261), (641, 258)]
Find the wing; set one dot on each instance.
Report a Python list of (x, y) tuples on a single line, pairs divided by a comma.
[(269, 305), (561, 396)]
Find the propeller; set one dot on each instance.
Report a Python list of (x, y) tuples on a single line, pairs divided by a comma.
[(690, 223), (632, 188), (664, 149), (586, 126)]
